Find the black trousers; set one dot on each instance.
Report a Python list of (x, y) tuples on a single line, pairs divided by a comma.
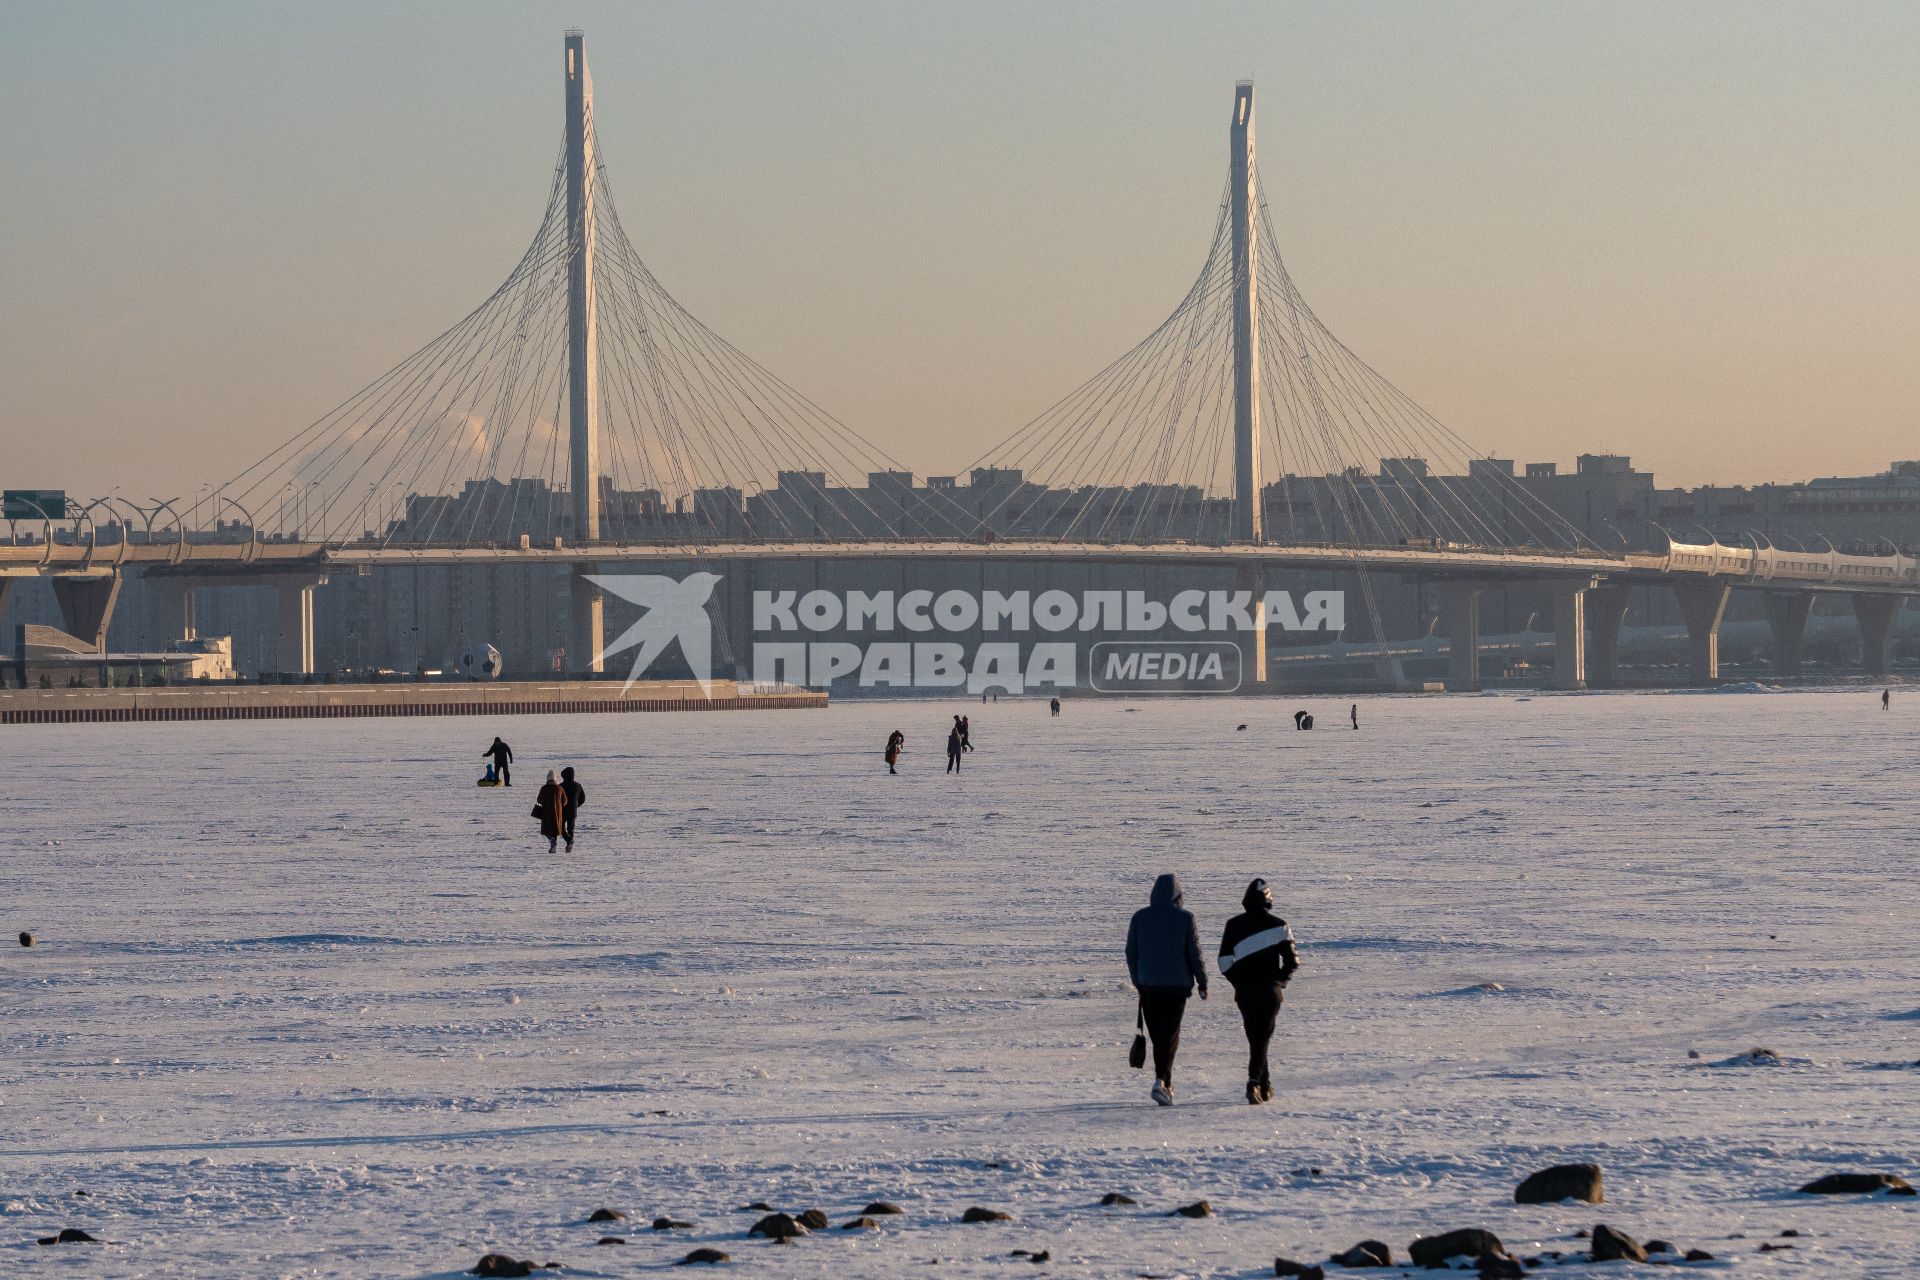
[(1164, 1007), (1259, 1010), (506, 773)]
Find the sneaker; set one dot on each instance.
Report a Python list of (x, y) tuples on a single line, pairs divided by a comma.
[(1253, 1093), (1266, 1091), (1163, 1093)]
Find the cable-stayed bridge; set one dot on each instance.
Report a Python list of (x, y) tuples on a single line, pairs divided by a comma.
[(579, 415)]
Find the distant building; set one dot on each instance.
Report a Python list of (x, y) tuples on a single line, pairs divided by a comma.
[(48, 658)]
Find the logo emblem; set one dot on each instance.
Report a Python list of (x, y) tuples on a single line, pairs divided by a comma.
[(675, 609)]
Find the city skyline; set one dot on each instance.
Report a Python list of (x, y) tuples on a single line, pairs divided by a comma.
[(293, 301)]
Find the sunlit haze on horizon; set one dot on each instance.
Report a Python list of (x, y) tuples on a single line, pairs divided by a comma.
[(1683, 233)]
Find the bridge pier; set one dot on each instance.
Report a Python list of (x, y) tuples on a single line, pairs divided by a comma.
[(1787, 613), (294, 611), (739, 617), (86, 606), (1570, 634), (1702, 606), (1876, 615), (176, 608), (1606, 609), (1460, 620), (1254, 676), (6, 589), (587, 623)]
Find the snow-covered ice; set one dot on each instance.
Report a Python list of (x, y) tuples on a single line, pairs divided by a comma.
[(309, 1003)]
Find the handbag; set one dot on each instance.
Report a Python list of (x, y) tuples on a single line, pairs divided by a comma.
[(1137, 1055)]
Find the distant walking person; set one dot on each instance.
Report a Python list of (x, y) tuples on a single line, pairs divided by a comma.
[(896, 743), (1355, 713), (1257, 957), (966, 733), (1302, 720), (1163, 960), (956, 743), (502, 757), (576, 797), (1056, 706), (551, 806), (1886, 699)]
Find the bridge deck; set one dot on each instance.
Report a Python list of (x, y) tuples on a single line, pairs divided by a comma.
[(223, 559)]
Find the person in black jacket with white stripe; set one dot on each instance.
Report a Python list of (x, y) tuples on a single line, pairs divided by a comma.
[(1257, 957)]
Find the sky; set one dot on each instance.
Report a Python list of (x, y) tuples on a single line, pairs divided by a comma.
[(1680, 232)]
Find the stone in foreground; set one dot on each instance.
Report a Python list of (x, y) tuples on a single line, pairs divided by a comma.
[(978, 1214), (1498, 1266), (777, 1226), (1468, 1242), (1561, 1182), (1856, 1184), (1368, 1253), (1609, 1244)]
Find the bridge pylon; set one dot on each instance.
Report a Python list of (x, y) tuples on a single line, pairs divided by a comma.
[(586, 636), (1245, 213)]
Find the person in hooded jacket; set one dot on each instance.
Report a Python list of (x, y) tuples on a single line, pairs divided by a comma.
[(1163, 960), (576, 796), (551, 807), (1257, 957)]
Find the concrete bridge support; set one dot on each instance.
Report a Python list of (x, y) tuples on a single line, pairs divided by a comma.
[(1254, 676), (176, 608), (1606, 609), (1460, 620), (1702, 606), (294, 609), (6, 589), (737, 592), (86, 606), (1876, 615), (1570, 634), (587, 623), (1787, 613)]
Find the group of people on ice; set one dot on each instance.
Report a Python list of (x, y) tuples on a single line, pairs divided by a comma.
[(1163, 960), (557, 803), (959, 742)]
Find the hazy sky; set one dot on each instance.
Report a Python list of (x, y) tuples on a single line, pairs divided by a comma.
[(1686, 232)]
